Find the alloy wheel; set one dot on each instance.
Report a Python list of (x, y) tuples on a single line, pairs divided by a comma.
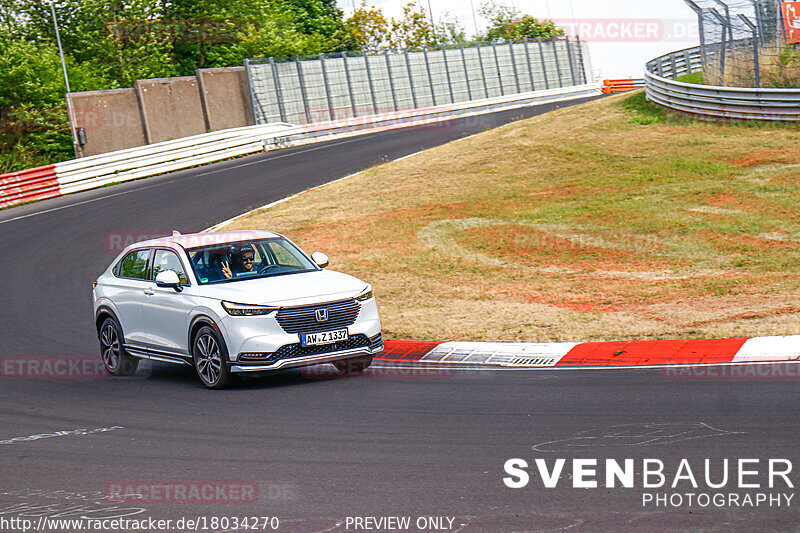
[(209, 361), (110, 346)]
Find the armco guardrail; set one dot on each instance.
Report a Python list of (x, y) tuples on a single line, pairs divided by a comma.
[(712, 101), (28, 185), (150, 160), (620, 85)]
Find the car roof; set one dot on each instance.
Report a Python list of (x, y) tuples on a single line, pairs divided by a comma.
[(193, 240)]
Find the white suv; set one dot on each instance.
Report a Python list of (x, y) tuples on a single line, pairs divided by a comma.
[(232, 302)]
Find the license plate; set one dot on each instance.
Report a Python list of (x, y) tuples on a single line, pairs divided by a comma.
[(326, 337)]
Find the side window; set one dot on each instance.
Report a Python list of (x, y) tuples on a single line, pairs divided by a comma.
[(284, 256), (167, 260), (134, 265)]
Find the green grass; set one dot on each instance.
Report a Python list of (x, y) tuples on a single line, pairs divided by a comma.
[(694, 77)]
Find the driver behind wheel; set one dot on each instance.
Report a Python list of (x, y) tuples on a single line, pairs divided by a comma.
[(244, 263)]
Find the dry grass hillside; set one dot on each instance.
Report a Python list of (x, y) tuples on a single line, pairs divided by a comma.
[(607, 220)]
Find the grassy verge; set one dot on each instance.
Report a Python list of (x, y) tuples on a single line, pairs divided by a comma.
[(694, 77), (608, 220)]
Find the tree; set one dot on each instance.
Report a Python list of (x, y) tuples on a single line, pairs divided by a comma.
[(372, 31), (508, 23), (34, 129), (414, 29), (369, 28)]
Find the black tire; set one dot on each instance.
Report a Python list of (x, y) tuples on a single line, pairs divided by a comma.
[(116, 360), (210, 358), (355, 366)]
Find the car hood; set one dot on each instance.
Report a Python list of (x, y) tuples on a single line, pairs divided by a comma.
[(288, 290)]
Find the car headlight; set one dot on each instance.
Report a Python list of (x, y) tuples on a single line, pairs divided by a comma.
[(364, 296), (247, 310)]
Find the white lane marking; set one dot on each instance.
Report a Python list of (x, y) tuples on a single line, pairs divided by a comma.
[(519, 354), (63, 433), (763, 349), (87, 504), (638, 434)]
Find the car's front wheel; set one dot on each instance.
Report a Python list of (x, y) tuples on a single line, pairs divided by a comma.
[(115, 358), (354, 366), (210, 359)]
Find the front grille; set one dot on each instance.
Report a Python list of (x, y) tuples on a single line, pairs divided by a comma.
[(376, 342), (304, 319), (290, 351)]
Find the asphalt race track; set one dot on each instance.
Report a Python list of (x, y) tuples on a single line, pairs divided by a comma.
[(399, 441)]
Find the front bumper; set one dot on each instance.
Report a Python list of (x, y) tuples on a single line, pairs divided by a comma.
[(307, 360)]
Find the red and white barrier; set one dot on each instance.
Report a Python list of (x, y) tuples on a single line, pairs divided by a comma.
[(28, 186), (598, 354)]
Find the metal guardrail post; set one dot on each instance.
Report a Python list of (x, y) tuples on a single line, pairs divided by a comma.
[(276, 82), (248, 74), (331, 113), (447, 71), (371, 85), (759, 23), (302, 88), (349, 85), (466, 72), (579, 48), (430, 78), (483, 71), (514, 65), (724, 43), (729, 25), (701, 30), (571, 64), (391, 81), (544, 65), (558, 65), (754, 29), (410, 79), (497, 65), (528, 58)]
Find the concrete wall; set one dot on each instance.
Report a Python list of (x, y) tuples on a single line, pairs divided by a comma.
[(160, 109), (171, 108), (226, 101), (111, 119)]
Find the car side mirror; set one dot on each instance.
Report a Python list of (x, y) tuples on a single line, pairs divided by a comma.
[(168, 278), (320, 259)]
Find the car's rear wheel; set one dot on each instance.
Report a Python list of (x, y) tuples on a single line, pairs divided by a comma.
[(115, 359), (354, 366), (210, 359)]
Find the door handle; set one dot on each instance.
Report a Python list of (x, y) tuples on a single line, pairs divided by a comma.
[(149, 292)]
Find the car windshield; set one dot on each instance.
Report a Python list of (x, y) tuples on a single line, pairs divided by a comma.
[(240, 260)]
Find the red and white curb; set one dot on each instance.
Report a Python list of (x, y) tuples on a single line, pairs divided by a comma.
[(597, 354)]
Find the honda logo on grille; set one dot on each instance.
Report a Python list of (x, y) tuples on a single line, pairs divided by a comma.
[(322, 315)]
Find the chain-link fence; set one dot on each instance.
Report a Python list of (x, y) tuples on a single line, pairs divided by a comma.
[(303, 90), (749, 43)]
